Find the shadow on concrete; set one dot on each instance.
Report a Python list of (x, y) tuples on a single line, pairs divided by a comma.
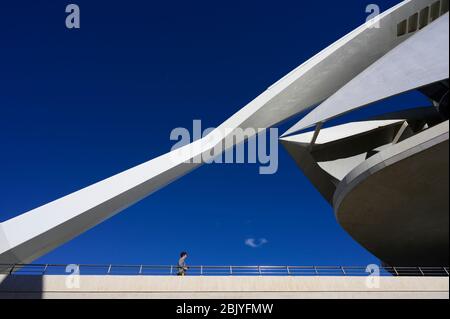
[(21, 286)]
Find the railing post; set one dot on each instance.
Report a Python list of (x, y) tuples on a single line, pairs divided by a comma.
[(343, 271), (201, 270), (171, 270), (259, 270), (12, 269), (421, 272), (315, 271), (109, 270), (231, 270), (288, 270), (140, 270), (446, 271), (45, 269), (395, 270)]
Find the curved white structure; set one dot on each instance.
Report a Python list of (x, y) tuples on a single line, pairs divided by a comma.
[(420, 60), (389, 193)]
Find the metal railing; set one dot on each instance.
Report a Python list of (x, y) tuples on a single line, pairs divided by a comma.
[(167, 270)]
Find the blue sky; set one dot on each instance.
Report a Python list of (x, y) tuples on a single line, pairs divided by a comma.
[(77, 106)]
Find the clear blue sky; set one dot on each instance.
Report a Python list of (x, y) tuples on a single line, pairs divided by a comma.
[(77, 106)]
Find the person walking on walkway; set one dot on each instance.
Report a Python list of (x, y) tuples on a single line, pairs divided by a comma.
[(182, 268)]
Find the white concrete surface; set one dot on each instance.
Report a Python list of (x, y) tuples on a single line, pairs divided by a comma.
[(388, 156), (335, 133), (224, 287), (420, 60), (339, 167), (401, 195)]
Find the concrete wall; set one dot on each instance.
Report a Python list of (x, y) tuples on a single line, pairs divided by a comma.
[(222, 287), (396, 204)]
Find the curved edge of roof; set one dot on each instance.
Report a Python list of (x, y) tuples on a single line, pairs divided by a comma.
[(394, 154)]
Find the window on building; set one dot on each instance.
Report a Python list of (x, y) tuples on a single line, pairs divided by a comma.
[(413, 22), (423, 17), (435, 11), (401, 28), (444, 7)]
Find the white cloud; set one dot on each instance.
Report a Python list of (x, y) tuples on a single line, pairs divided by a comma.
[(255, 243)]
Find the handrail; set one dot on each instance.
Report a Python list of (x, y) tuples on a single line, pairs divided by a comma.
[(167, 270)]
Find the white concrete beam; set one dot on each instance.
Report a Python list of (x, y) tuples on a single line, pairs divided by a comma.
[(420, 60)]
